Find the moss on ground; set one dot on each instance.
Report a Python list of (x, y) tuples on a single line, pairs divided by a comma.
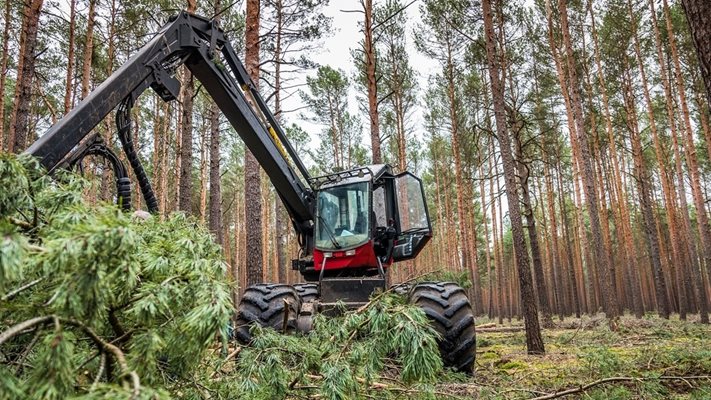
[(579, 352)]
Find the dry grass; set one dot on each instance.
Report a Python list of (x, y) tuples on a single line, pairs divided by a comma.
[(580, 351)]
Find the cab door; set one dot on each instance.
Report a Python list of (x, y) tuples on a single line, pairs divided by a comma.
[(415, 229)]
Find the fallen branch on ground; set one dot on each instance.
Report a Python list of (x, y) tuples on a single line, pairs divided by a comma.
[(501, 329), (584, 388)]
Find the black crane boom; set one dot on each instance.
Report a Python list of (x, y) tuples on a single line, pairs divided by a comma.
[(200, 45)]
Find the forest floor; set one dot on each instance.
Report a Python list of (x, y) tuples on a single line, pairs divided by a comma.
[(657, 359)]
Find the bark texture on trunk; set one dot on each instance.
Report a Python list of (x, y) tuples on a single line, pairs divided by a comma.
[(642, 179), (88, 51), (3, 69), (369, 48), (541, 287), (69, 82), (698, 15), (215, 222), (458, 179), (185, 191), (604, 269), (19, 120), (678, 250), (252, 178), (534, 341), (692, 164), (186, 144), (281, 219)]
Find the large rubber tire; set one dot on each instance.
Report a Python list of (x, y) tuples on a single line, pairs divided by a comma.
[(263, 304), (307, 291), (448, 308)]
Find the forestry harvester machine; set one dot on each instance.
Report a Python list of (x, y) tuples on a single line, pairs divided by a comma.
[(351, 225)]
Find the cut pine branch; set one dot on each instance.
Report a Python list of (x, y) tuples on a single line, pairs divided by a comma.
[(584, 388)]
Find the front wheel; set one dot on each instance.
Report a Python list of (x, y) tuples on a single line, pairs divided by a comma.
[(269, 305), (450, 313)]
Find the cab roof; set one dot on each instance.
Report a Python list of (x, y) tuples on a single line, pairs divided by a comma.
[(361, 174)]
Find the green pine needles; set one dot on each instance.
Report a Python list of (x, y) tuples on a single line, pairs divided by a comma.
[(381, 351), (96, 303)]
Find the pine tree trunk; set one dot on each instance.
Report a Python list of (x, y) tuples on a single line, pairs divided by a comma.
[(667, 187), (557, 265), (369, 49), (88, 51), (575, 272), (19, 119), (3, 68), (175, 176), (438, 196), (163, 161), (110, 58), (642, 180), (282, 219), (498, 262), (215, 186), (69, 81), (579, 227), (605, 271), (547, 247), (487, 246), (542, 290), (692, 163), (111, 48), (204, 171), (266, 269), (252, 177), (622, 210), (185, 185), (698, 15), (703, 110), (691, 253), (534, 341), (456, 154), (159, 121)]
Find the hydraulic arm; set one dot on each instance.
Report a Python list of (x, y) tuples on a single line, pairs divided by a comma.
[(200, 45)]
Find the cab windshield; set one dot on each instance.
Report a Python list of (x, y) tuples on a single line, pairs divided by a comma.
[(343, 216)]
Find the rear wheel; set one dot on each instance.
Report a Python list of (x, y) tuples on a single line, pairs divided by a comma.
[(269, 305), (449, 310), (307, 291)]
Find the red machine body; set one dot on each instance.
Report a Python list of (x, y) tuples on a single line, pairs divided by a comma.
[(362, 256)]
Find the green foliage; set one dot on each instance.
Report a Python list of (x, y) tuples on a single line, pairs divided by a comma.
[(344, 357), (600, 361), (327, 97), (461, 278), (155, 289)]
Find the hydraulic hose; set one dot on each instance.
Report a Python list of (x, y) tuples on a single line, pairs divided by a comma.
[(123, 124)]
